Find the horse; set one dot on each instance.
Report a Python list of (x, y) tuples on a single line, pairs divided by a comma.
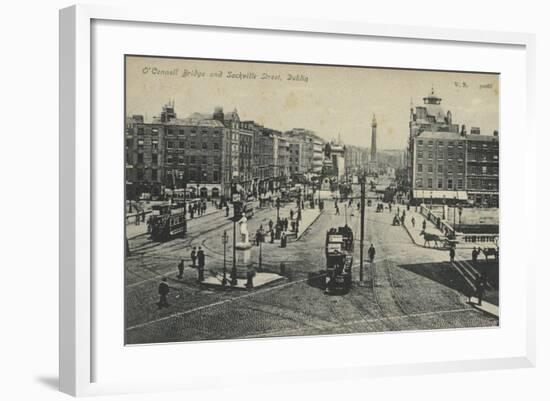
[(430, 237)]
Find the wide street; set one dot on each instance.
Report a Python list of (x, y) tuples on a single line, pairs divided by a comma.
[(408, 287)]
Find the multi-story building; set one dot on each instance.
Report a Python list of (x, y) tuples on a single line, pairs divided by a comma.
[(281, 160), (482, 168), (439, 160), (355, 160), (318, 157), (144, 155), (176, 153), (446, 165), (294, 157)]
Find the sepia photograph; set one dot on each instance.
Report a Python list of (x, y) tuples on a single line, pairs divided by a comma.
[(269, 199)]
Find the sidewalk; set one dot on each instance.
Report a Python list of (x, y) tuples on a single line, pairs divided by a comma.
[(309, 216), (414, 232), (485, 306)]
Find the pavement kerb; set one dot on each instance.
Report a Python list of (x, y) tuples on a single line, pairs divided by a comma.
[(309, 225)]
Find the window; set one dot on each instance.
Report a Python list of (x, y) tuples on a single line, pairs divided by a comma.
[(155, 131), (181, 132), (430, 143), (430, 155), (140, 157), (169, 131), (128, 143), (170, 144), (484, 170), (181, 144), (216, 176), (430, 183), (140, 175), (169, 159), (440, 168), (193, 145), (420, 142), (141, 131), (430, 168), (181, 159), (154, 158), (140, 144), (204, 160), (204, 145), (459, 183), (449, 183), (154, 174), (192, 159), (440, 183), (419, 168), (420, 154), (216, 145)]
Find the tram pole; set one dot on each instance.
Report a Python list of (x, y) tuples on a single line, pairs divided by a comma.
[(362, 236)]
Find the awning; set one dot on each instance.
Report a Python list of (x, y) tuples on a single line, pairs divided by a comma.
[(439, 194)]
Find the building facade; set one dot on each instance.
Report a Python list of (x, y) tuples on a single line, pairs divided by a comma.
[(445, 164)]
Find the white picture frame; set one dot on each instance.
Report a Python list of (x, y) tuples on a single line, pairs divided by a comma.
[(78, 372)]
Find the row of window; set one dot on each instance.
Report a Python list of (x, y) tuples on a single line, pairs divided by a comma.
[(192, 145), (440, 155), (429, 183), (459, 144), (430, 168), (171, 131)]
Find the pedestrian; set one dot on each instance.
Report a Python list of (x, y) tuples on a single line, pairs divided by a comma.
[(337, 211), (452, 254), (372, 253), (413, 221), (164, 289), (227, 211), (137, 219), (474, 255), (200, 259), (180, 269), (291, 214), (424, 225), (480, 290), (194, 257), (143, 216), (270, 224), (283, 240), (272, 236)]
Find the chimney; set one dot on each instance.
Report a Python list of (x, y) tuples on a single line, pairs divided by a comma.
[(463, 130), (495, 132)]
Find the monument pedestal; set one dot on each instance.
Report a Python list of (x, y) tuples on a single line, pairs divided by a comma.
[(242, 260)]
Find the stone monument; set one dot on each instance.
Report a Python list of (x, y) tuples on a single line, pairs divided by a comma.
[(243, 250)]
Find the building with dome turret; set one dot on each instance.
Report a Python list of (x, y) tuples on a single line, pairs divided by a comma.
[(444, 163)]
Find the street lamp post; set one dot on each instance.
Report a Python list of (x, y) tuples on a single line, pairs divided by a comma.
[(234, 262), (224, 241), (362, 236), (260, 240)]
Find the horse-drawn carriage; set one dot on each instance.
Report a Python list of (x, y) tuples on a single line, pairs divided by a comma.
[(379, 208)]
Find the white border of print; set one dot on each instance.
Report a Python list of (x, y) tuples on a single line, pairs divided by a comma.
[(97, 363)]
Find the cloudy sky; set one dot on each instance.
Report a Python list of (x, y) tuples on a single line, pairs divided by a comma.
[(333, 100)]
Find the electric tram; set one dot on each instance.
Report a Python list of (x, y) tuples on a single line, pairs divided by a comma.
[(339, 255), (168, 221)]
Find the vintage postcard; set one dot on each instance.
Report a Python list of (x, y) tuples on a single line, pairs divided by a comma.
[(277, 199)]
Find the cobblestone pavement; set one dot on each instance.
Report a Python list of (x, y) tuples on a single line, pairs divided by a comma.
[(408, 287)]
